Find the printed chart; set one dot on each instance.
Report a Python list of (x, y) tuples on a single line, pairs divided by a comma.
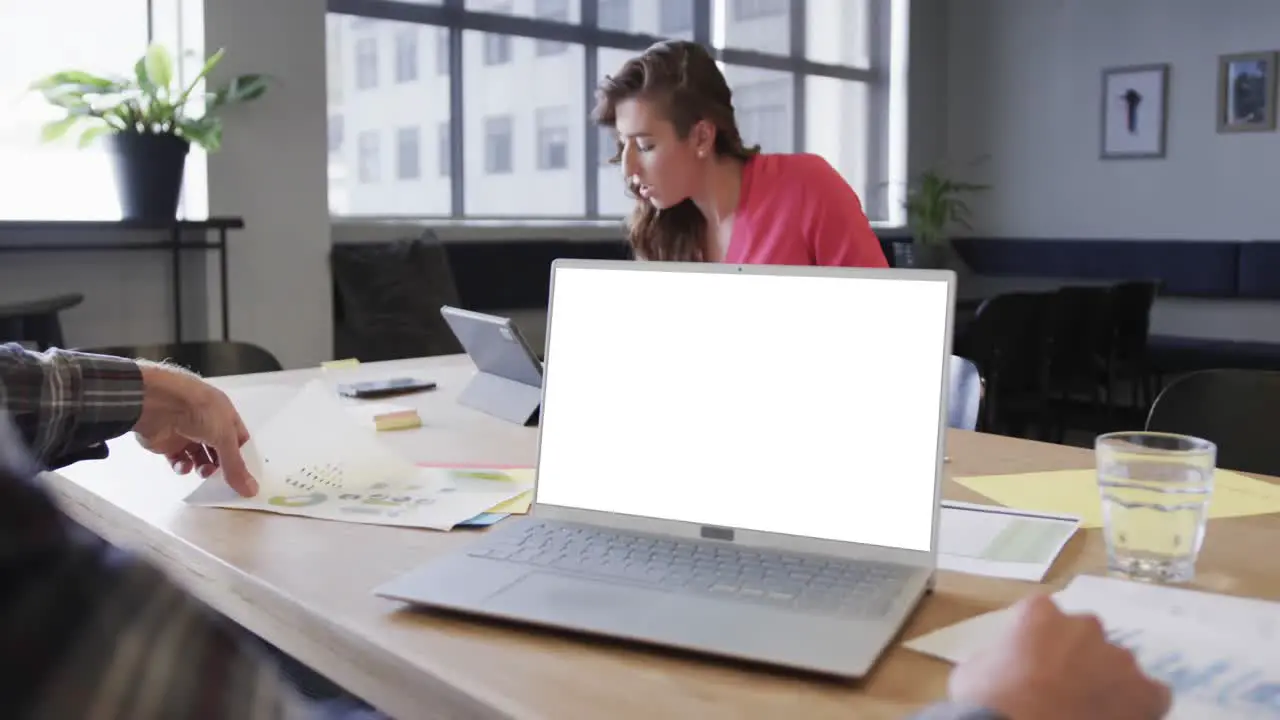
[(313, 458)]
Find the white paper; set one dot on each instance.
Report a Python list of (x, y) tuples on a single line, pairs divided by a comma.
[(313, 457), (1218, 653), (1001, 542)]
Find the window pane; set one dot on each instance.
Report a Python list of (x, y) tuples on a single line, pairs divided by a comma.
[(763, 102), (763, 25), (378, 170), (614, 15), (614, 200), (407, 54), (523, 134), (408, 155), (59, 180), (558, 10), (837, 121), (838, 32)]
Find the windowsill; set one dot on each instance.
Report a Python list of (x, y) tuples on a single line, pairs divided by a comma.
[(533, 229)]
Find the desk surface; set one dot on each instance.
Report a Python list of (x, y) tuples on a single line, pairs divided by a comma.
[(305, 584)]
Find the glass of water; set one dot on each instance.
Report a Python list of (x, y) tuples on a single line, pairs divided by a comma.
[(1155, 490)]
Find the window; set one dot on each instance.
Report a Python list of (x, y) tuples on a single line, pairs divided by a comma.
[(516, 139), (606, 145), (391, 171), (442, 51), (553, 138), (408, 158), (366, 63), (509, 168), (675, 17), (497, 48), (497, 145), (368, 162), (753, 9), (762, 101), (59, 181), (444, 142), (407, 55), (555, 10), (614, 15), (335, 133), (760, 25)]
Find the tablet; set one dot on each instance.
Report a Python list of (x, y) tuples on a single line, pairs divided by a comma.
[(508, 383)]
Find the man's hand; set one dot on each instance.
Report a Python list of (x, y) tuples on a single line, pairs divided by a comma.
[(194, 425), (1052, 666)]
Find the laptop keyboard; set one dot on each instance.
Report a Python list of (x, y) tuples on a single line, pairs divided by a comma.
[(826, 586)]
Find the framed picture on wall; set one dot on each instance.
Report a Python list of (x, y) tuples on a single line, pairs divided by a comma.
[(1135, 102), (1247, 92)]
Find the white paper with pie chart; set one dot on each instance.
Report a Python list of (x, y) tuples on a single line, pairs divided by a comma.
[(312, 458)]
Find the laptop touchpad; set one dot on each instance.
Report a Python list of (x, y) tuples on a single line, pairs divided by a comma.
[(578, 603)]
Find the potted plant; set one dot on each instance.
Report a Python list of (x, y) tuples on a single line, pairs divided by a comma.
[(934, 203), (148, 123)]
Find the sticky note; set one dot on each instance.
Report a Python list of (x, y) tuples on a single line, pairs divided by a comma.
[(401, 420), (517, 505), (1075, 492), (340, 364)]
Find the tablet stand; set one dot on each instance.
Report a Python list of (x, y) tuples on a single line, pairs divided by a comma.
[(509, 400)]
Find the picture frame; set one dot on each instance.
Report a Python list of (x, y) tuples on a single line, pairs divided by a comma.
[(1135, 109), (1247, 92)]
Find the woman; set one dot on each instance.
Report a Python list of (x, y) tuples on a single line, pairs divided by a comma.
[(701, 195)]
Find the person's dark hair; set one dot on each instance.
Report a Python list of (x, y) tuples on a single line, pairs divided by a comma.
[(683, 77)]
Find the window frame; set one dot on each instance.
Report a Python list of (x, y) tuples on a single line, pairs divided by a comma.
[(884, 76)]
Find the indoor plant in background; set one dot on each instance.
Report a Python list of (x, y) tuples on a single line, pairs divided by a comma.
[(934, 205), (148, 122)]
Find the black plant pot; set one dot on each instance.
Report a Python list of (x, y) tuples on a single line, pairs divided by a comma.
[(148, 170)]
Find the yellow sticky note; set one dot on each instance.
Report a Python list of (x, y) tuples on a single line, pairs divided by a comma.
[(403, 420), (340, 364), (518, 505), (1075, 492)]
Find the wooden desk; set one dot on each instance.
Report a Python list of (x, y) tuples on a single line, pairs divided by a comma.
[(305, 585)]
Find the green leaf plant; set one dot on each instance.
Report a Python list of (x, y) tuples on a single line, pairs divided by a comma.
[(934, 202), (148, 103)]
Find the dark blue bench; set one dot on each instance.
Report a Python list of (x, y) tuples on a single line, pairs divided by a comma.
[(1186, 268)]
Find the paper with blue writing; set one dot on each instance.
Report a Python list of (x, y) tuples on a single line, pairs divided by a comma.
[(1218, 653)]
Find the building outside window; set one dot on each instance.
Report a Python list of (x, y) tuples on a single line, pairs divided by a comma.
[(497, 145), (408, 156)]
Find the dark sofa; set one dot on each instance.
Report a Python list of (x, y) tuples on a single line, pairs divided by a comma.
[(1205, 269)]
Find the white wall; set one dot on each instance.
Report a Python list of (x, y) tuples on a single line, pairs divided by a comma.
[(272, 169), (1024, 83)]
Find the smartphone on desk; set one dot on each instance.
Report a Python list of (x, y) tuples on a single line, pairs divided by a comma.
[(390, 387)]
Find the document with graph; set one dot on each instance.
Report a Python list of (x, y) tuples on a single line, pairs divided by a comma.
[(1218, 653), (313, 458)]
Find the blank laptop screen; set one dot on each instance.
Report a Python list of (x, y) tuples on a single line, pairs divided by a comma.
[(807, 406)]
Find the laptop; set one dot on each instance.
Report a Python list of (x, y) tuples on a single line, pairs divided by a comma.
[(739, 461)]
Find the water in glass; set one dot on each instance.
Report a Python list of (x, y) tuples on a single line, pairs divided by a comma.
[(1155, 491)]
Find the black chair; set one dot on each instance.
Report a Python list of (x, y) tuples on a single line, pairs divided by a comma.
[(964, 404), (1131, 313), (36, 323), (209, 359), (1081, 343), (1238, 410), (1007, 342), (387, 298)]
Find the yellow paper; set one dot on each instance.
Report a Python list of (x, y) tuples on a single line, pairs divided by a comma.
[(1075, 492), (518, 505), (340, 364)]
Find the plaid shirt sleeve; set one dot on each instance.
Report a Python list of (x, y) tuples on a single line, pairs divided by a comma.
[(92, 631), (65, 404)]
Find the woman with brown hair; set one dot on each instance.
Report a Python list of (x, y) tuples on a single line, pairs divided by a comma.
[(701, 194)]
